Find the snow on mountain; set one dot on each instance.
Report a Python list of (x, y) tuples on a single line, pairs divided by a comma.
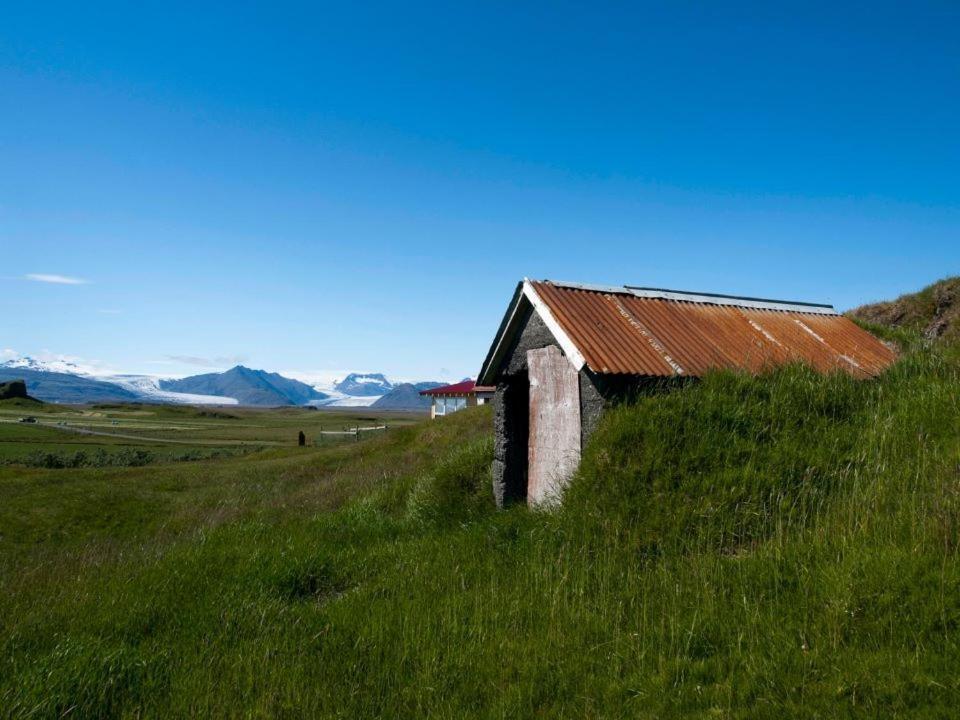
[(340, 400), (249, 386), (364, 385), (353, 390), (149, 388), (59, 365), (341, 389), (142, 387)]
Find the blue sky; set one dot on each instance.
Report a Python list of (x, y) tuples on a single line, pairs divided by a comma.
[(322, 187)]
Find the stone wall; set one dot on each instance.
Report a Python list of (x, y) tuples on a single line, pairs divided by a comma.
[(592, 405), (535, 334), (511, 428), (511, 412)]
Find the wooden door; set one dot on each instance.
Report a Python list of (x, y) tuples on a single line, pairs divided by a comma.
[(553, 452)]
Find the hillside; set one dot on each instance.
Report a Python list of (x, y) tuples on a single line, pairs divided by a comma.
[(248, 387), (65, 388), (782, 546), (406, 396), (934, 312), (13, 389)]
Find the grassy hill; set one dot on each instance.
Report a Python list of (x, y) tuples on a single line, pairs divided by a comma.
[(934, 312), (27, 403), (783, 546)]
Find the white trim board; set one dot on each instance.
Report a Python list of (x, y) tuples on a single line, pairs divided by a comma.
[(563, 340)]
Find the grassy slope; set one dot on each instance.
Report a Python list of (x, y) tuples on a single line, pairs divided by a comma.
[(933, 312), (782, 546), (166, 432)]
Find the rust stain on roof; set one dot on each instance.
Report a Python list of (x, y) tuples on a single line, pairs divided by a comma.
[(624, 330)]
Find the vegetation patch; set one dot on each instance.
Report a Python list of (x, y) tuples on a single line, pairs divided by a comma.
[(933, 313), (781, 546), (122, 457)]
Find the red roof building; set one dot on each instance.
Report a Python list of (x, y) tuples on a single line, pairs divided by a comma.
[(449, 399)]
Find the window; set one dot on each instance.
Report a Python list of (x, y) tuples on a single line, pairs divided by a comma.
[(445, 406)]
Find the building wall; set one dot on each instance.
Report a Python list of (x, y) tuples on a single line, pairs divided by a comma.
[(469, 399), (511, 412), (511, 409), (511, 426), (511, 406), (592, 405), (535, 334)]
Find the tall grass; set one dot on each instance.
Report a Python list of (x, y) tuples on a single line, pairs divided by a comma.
[(783, 546)]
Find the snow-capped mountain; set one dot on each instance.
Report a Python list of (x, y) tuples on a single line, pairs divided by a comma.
[(63, 387), (61, 379), (248, 386), (56, 366), (364, 385), (149, 389), (354, 390)]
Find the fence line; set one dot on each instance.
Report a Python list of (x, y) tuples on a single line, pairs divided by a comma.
[(354, 431)]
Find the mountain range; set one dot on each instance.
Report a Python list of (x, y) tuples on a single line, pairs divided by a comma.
[(63, 387), (63, 382), (364, 385), (406, 396), (247, 387)]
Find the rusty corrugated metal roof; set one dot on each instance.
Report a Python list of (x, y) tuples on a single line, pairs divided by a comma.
[(642, 331)]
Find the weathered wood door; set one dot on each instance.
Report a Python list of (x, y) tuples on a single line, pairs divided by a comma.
[(554, 449)]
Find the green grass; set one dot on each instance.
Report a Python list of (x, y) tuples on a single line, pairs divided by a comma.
[(783, 546), (934, 311), (165, 433)]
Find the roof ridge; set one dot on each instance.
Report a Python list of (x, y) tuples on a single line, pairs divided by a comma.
[(701, 297), (725, 296), (698, 332)]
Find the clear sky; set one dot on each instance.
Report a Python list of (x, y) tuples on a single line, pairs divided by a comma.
[(359, 186)]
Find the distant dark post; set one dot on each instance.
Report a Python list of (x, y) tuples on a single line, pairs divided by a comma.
[(301, 439)]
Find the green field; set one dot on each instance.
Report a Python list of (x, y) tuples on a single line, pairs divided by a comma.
[(782, 546), (171, 433)]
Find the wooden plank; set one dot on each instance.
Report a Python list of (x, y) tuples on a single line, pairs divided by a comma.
[(554, 447)]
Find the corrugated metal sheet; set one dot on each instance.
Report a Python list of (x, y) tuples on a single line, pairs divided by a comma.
[(621, 332)]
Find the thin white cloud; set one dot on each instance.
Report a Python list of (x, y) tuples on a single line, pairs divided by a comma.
[(105, 311), (55, 279), (213, 362)]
